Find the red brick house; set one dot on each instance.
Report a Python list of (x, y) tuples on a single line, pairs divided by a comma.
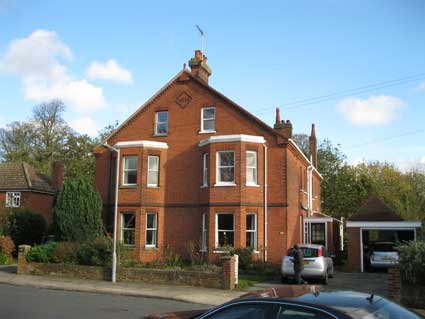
[(197, 167), (22, 186)]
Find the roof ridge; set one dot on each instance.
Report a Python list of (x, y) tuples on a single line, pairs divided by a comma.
[(27, 177)]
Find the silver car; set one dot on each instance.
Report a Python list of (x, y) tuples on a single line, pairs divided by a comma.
[(383, 255), (317, 264)]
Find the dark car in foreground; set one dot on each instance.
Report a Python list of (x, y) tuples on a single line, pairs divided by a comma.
[(300, 302)]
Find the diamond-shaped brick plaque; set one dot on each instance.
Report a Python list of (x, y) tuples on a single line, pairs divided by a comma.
[(183, 100)]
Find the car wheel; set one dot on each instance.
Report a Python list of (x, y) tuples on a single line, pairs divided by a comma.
[(283, 279), (325, 280)]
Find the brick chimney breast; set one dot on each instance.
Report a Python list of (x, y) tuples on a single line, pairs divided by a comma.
[(57, 175), (313, 145), (199, 67)]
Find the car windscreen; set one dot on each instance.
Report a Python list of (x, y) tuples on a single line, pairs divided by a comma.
[(384, 247)]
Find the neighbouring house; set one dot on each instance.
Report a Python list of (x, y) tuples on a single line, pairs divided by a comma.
[(22, 186), (375, 222), (197, 167)]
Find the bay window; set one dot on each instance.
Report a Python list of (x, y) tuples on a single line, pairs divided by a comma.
[(226, 168), (205, 167), (153, 171), (151, 230), (251, 231), (225, 230), (129, 174), (251, 168), (128, 229)]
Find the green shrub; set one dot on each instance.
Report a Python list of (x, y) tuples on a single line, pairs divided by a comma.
[(245, 257), (66, 252), (78, 212), (412, 262), (4, 259), (96, 253), (7, 247), (26, 227), (41, 253)]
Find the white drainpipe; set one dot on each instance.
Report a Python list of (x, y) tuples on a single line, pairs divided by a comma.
[(265, 201)]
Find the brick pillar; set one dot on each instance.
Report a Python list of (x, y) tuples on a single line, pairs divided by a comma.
[(22, 261), (394, 284), (228, 270)]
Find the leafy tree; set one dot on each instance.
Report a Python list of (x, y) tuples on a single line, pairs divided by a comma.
[(26, 227), (303, 142), (78, 211), (17, 142)]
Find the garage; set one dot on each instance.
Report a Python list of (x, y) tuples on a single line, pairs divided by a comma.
[(373, 230)]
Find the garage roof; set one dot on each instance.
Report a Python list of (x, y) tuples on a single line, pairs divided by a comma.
[(374, 209)]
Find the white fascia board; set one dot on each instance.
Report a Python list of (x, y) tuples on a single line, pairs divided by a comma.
[(151, 144), (383, 224), (232, 138), (318, 219), (305, 157)]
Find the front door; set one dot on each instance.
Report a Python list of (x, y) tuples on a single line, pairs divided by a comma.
[(318, 233)]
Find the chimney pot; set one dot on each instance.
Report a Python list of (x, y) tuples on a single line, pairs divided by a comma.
[(199, 67), (277, 116)]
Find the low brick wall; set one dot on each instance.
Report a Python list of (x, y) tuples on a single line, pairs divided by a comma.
[(177, 277), (412, 296), (67, 270), (225, 279)]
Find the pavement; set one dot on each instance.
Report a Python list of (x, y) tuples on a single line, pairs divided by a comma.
[(197, 295)]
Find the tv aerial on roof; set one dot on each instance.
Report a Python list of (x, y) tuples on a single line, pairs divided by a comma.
[(202, 40)]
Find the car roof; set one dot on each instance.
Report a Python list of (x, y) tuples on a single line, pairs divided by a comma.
[(347, 302)]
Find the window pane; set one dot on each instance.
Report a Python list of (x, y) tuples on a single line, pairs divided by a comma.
[(209, 113), (129, 221), (153, 163), (162, 116), (151, 221), (151, 237), (250, 222), (161, 128), (227, 174), (225, 221), (225, 238), (250, 159), (128, 236), (250, 239), (153, 178), (227, 158), (130, 177), (209, 125), (130, 162), (248, 311), (251, 175)]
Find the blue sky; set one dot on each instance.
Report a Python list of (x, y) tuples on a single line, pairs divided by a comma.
[(106, 58)]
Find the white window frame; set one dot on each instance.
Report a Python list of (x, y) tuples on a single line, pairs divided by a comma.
[(204, 238), (203, 130), (217, 230), (125, 170), (151, 170), (217, 159), (13, 199), (254, 183), (255, 230), (125, 228), (153, 229), (157, 122), (205, 171)]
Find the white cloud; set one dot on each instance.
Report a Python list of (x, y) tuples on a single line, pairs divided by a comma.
[(84, 125), (38, 60), (422, 160), (110, 70), (420, 87), (380, 109)]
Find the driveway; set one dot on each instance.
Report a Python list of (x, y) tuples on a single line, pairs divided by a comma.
[(376, 283)]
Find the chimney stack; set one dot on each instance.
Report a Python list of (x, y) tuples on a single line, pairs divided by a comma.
[(199, 67), (313, 145), (281, 126), (57, 175)]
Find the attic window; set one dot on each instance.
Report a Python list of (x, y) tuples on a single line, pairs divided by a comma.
[(208, 119), (161, 123), (13, 199)]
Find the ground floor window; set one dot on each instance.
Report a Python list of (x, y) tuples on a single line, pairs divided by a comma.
[(128, 229), (251, 231), (204, 245), (13, 199), (318, 236), (151, 230), (225, 230)]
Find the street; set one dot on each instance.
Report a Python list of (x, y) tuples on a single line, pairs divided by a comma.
[(27, 302)]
